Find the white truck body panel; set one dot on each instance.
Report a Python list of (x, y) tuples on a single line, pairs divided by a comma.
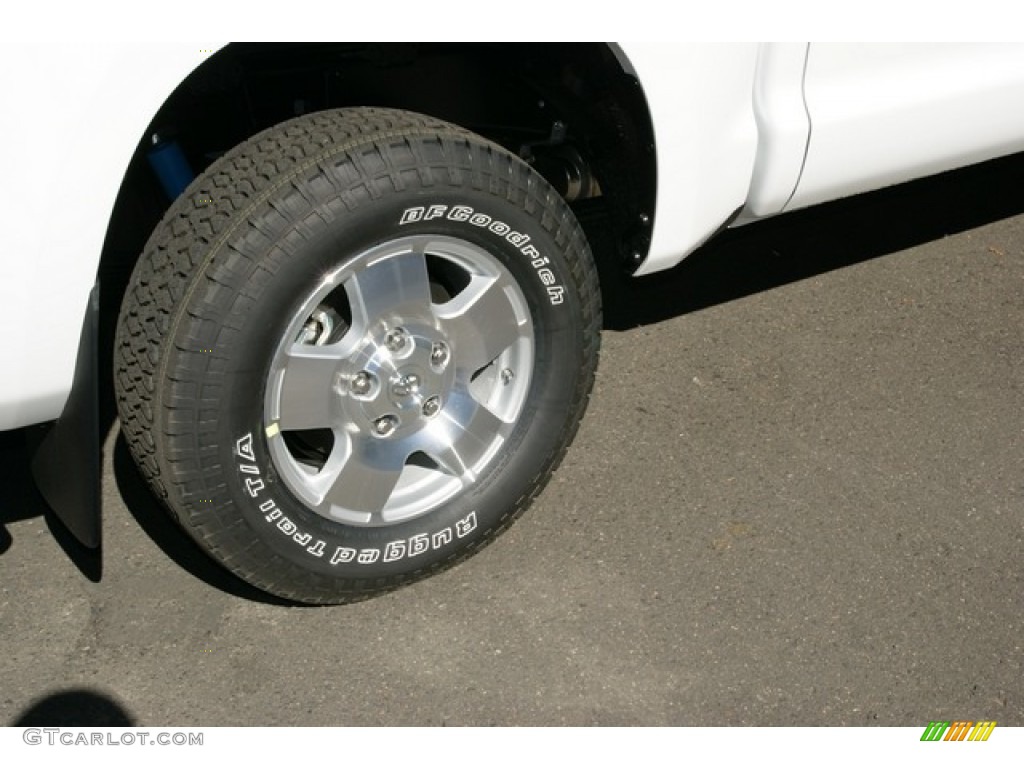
[(783, 127), (705, 137), (881, 115), (69, 133)]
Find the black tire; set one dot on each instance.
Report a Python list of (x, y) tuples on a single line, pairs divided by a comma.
[(217, 393)]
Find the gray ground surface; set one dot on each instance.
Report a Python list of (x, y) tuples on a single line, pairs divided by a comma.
[(796, 498)]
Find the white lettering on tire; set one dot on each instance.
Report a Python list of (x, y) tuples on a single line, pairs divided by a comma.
[(519, 240), (399, 549)]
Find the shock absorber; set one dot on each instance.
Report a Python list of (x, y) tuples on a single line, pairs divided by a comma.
[(169, 164)]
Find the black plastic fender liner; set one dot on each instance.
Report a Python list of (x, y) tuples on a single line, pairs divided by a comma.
[(66, 465)]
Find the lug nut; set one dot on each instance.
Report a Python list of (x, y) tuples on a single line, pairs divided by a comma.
[(385, 425), (361, 384), (439, 354), (507, 375), (431, 406), (396, 340)]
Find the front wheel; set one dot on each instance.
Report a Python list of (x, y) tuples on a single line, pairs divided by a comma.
[(355, 349)]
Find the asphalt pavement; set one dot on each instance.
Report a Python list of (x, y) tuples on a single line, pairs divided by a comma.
[(797, 498)]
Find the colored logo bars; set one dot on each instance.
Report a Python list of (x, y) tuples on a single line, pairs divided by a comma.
[(958, 730)]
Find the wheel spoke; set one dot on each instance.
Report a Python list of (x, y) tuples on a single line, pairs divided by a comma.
[(464, 433), (366, 478), (481, 322), (394, 286), (307, 388)]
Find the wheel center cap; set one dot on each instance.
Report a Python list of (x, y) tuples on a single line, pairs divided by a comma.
[(405, 388)]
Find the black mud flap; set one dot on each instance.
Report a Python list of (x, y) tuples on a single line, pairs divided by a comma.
[(66, 466)]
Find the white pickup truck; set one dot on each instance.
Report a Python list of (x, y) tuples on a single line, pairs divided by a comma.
[(358, 287)]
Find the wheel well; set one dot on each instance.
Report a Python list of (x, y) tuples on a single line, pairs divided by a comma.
[(572, 110)]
